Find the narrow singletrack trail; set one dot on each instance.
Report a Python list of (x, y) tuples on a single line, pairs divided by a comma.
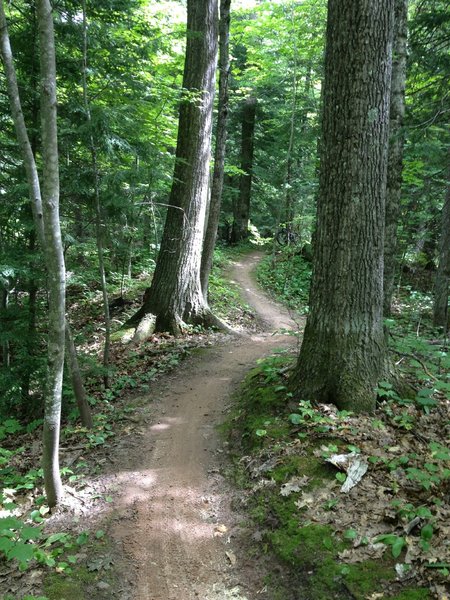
[(172, 504)]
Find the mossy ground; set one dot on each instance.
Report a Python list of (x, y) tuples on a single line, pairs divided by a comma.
[(69, 587), (307, 552)]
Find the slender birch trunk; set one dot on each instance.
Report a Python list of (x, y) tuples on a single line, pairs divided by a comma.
[(53, 254)]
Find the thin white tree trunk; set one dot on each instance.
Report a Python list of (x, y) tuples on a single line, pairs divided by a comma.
[(53, 254)]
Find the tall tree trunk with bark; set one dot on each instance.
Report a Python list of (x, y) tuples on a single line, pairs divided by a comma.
[(442, 282), (343, 354), (241, 210), (221, 138), (396, 143), (175, 295), (33, 187)]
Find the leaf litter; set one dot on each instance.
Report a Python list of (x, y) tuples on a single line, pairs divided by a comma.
[(395, 500)]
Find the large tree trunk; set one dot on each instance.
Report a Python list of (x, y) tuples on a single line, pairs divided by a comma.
[(241, 210), (343, 352), (440, 309), (175, 296), (396, 142), (221, 138)]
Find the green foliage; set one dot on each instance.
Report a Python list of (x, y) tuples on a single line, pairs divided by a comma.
[(27, 544), (10, 426), (277, 51), (286, 275), (397, 543)]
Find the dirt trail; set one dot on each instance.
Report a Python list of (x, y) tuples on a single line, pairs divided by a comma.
[(172, 497)]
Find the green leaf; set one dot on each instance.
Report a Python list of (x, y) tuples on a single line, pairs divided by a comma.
[(6, 544), (295, 419), (10, 523), (56, 537), (36, 516), (354, 449), (424, 512), (350, 534), (23, 552), (426, 532), (397, 547), (341, 477), (261, 432), (82, 538), (30, 533), (394, 541)]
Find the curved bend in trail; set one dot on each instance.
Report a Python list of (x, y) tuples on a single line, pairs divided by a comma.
[(174, 527)]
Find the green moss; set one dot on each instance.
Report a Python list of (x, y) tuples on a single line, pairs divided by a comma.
[(306, 546), (363, 578), (314, 468), (123, 335), (68, 587)]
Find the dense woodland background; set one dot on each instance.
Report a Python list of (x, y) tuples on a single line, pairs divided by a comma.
[(119, 74)]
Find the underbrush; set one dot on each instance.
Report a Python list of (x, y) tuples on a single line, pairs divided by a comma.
[(387, 535), (286, 276)]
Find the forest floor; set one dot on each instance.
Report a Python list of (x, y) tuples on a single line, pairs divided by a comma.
[(150, 509), (172, 521)]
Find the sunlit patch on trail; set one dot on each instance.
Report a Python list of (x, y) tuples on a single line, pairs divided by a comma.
[(166, 423)]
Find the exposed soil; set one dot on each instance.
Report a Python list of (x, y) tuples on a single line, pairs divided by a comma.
[(174, 530)]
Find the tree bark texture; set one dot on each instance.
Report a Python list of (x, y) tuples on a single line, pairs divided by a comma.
[(175, 295), (77, 381), (242, 208), (442, 282), (343, 355), (53, 253), (396, 143), (219, 155)]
